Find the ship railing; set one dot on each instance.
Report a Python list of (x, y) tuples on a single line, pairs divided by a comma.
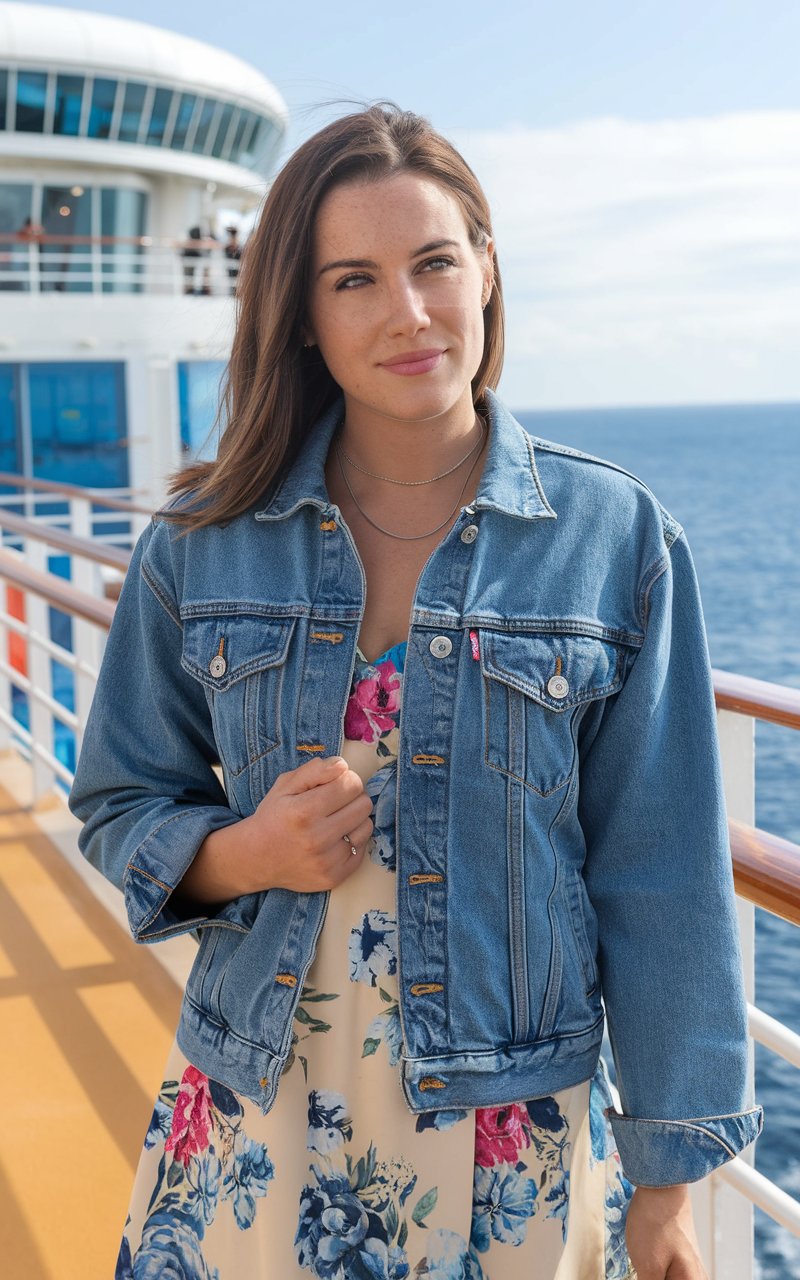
[(58, 263), (766, 868), (112, 516)]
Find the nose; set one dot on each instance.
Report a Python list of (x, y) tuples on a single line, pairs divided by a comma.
[(408, 313)]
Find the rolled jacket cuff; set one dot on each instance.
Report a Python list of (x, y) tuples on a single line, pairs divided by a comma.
[(159, 865), (662, 1153)]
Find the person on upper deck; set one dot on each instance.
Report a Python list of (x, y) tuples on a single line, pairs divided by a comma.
[(408, 715)]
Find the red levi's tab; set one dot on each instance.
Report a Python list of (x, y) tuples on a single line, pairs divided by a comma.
[(473, 640)]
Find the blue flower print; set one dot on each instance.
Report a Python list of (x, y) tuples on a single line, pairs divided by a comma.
[(600, 1097), (618, 1198), (545, 1114), (170, 1250), (439, 1119), (332, 1227), (124, 1267), (449, 1257), (373, 947), (381, 1262), (249, 1179), (329, 1125), (160, 1125), (385, 1027), (204, 1175), (558, 1200), (502, 1203), (382, 790)]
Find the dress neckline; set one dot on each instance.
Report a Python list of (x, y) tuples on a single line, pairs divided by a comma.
[(381, 656)]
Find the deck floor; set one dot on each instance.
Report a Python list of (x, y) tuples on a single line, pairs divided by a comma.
[(86, 1022)]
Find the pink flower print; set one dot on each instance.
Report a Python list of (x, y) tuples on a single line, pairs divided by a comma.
[(500, 1134), (374, 703), (191, 1119)]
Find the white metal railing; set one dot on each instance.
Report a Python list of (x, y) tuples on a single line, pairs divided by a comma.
[(106, 264), (723, 1203)]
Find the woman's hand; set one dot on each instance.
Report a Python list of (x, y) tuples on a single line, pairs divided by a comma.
[(660, 1234), (294, 840)]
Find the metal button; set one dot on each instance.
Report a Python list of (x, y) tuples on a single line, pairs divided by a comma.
[(557, 687), (441, 646), (218, 666), (470, 533)]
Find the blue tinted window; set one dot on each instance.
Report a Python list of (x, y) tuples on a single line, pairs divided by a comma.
[(31, 94), (183, 120), (102, 109), (244, 126), (158, 117), (78, 423), (3, 95), (123, 214), (222, 131), (9, 445), (69, 95), (132, 111), (201, 132), (198, 397)]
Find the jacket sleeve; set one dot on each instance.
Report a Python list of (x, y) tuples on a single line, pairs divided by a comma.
[(144, 786), (659, 876)]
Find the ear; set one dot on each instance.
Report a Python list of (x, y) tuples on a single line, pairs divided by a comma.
[(488, 274)]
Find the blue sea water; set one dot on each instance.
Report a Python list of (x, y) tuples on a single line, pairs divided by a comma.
[(731, 475)]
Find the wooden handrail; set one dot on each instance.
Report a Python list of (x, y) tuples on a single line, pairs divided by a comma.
[(758, 698), (56, 591), (60, 540), (74, 491), (766, 870)]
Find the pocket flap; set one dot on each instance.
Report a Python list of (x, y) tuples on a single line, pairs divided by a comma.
[(557, 670), (221, 649)]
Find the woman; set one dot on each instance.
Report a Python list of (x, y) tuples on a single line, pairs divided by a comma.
[(387, 1061)]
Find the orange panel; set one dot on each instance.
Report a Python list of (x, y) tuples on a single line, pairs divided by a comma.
[(17, 648)]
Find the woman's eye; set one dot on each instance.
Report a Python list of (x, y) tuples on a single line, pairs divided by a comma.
[(439, 262), (351, 282)]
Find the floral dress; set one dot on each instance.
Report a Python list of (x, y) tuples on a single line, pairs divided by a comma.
[(339, 1180)]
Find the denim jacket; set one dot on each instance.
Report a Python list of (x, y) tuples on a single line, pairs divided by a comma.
[(561, 833)]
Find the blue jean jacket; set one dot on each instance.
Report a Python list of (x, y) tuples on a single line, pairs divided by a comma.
[(560, 826)]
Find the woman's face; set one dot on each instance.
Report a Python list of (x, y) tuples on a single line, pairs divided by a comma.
[(396, 296)]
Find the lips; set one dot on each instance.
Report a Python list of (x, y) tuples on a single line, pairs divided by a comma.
[(411, 362)]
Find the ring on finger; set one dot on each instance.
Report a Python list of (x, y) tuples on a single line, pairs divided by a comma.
[(353, 849)]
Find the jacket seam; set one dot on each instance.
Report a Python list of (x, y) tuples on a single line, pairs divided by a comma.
[(161, 595), (651, 577)]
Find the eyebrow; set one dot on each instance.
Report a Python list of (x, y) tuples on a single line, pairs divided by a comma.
[(373, 266)]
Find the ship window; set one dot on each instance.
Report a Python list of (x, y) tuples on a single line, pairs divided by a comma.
[(183, 120), (201, 133), (69, 96), (199, 385), (132, 111), (3, 93), (218, 149), (123, 215), (158, 117), (31, 95), (102, 109), (244, 126)]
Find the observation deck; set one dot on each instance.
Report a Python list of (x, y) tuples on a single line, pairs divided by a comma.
[(87, 1017)]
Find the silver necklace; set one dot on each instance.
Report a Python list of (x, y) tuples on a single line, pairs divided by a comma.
[(391, 480), (406, 537)]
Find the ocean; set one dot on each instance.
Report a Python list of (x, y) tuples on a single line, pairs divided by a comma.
[(730, 474)]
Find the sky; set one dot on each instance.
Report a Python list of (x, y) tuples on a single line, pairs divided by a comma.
[(642, 161)]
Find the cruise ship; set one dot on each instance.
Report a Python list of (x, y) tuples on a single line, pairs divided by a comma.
[(125, 153)]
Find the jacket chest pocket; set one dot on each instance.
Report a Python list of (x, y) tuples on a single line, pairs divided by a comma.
[(534, 687), (240, 660)]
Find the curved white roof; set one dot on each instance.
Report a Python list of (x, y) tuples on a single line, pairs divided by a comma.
[(44, 36)]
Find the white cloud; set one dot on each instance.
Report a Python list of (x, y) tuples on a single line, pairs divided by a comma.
[(647, 262)]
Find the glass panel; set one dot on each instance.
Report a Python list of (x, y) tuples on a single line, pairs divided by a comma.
[(201, 133), (69, 95), (66, 211), (31, 94), (78, 423), (9, 440), (158, 119), (244, 126), (3, 95), (198, 397), (102, 109), (182, 120), (132, 111), (16, 248), (222, 130), (123, 213)]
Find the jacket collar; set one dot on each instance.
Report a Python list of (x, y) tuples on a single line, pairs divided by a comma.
[(509, 482)]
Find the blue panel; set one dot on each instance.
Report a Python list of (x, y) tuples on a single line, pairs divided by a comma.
[(102, 109), (31, 94), (9, 433), (201, 133), (218, 149), (132, 111), (78, 423), (158, 117), (198, 397), (69, 96), (3, 95), (182, 121)]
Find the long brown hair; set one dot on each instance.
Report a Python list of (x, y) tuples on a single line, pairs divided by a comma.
[(275, 388)]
